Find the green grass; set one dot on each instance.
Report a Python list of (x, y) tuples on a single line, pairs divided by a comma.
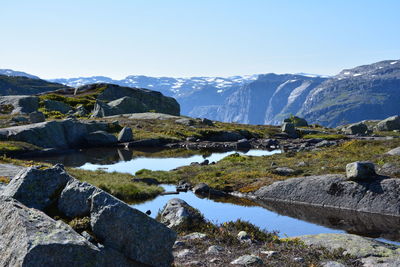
[(14, 147), (87, 100), (325, 136), (117, 184), (247, 173)]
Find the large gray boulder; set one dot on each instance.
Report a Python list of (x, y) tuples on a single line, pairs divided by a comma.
[(74, 200), (389, 124), (377, 195), (28, 237), (130, 231), (20, 103), (59, 106), (131, 100), (126, 105), (38, 188), (356, 128), (360, 170), (100, 138), (179, 213), (125, 135), (52, 134)]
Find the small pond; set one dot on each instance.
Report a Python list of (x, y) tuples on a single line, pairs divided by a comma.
[(288, 219)]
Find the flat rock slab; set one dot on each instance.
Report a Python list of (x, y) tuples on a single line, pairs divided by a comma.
[(380, 195), (146, 116), (10, 170), (370, 251)]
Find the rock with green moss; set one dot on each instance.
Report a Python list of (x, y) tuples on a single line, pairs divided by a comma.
[(132, 100)]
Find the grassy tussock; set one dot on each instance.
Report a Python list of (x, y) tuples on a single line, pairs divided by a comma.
[(9, 147), (117, 184)]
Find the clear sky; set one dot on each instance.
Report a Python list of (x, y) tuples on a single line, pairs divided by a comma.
[(180, 38)]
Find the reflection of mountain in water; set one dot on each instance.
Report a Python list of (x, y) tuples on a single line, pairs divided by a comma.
[(359, 223)]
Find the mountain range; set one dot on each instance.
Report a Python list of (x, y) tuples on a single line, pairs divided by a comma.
[(365, 92)]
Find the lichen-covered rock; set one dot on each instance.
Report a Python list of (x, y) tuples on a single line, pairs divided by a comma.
[(125, 135), (354, 245), (74, 200), (38, 188), (178, 213), (130, 231), (360, 170), (376, 195)]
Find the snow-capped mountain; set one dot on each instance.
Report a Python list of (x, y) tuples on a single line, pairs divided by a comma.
[(364, 92), (8, 72), (176, 87)]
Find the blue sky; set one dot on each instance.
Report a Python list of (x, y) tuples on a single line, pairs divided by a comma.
[(180, 38)]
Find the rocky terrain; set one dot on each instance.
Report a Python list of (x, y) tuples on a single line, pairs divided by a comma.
[(50, 215)]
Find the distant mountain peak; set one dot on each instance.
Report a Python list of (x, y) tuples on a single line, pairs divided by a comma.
[(13, 73)]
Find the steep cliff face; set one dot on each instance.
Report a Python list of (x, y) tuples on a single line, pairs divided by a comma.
[(265, 101), (365, 92)]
